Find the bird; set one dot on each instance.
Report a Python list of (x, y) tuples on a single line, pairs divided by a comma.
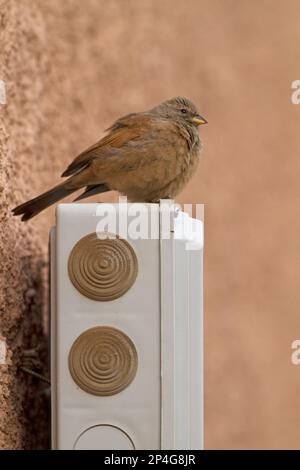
[(146, 156)]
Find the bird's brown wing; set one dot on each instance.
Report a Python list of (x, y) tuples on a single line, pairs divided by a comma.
[(126, 129)]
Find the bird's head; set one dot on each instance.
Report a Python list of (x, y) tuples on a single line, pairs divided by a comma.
[(181, 109)]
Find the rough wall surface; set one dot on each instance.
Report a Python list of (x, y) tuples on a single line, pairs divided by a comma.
[(72, 67)]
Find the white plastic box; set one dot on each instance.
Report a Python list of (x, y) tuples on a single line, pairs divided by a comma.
[(161, 315)]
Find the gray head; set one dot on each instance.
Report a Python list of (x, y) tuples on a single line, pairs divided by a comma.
[(180, 109)]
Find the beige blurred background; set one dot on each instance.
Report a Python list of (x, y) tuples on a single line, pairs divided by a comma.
[(70, 69)]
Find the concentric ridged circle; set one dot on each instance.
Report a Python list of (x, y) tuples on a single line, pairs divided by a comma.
[(103, 361), (102, 268)]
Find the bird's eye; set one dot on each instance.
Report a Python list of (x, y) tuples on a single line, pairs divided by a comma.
[(183, 110)]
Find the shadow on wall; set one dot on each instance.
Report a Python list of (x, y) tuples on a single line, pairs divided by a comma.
[(34, 355), (25, 417)]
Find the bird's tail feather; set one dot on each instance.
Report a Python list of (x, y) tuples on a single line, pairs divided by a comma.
[(92, 190), (33, 207)]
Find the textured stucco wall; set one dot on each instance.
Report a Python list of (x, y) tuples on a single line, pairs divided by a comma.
[(70, 68), (23, 66)]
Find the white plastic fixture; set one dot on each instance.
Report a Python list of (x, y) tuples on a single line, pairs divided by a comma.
[(161, 313)]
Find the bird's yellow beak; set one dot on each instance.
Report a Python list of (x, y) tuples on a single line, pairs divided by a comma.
[(198, 120)]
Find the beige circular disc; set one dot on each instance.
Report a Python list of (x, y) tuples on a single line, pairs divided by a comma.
[(103, 361), (102, 268)]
